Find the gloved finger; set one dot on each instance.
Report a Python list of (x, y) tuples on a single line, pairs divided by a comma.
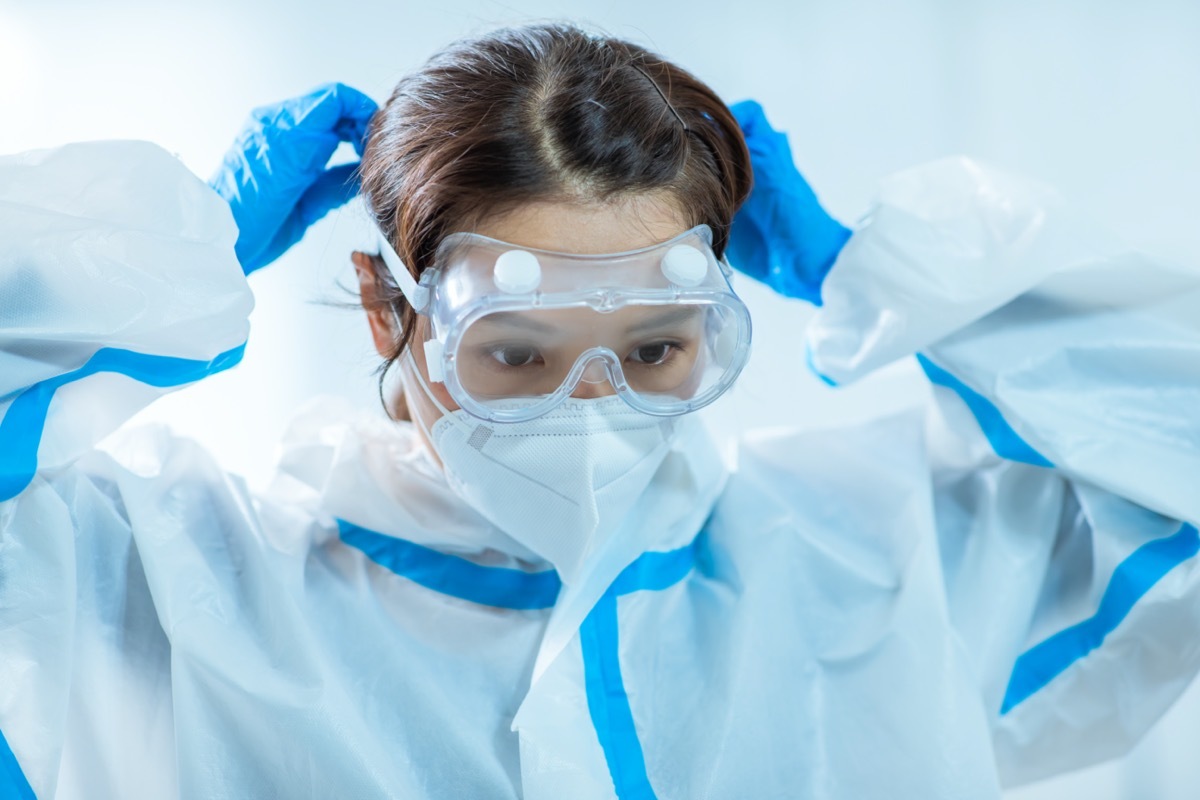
[(761, 137), (770, 152), (355, 132), (750, 116), (774, 168), (358, 109), (337, 109), (335, 187), (306, 129), (353, 111)]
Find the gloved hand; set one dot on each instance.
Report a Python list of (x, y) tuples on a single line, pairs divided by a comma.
[(274, 176), (781, 236)]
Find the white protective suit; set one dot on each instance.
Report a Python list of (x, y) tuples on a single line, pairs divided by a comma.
[(931, 606)]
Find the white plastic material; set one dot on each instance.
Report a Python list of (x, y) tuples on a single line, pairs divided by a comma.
[(434, 351), (416, 294), (685, 266), (837, 619), (87, 232), (517, 272)]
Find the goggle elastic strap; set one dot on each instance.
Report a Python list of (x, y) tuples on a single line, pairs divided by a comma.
[(417, 295)]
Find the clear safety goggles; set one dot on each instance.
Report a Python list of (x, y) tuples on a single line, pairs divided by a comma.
[(514, 330)]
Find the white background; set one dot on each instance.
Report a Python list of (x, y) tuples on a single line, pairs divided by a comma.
[(1101, 99)]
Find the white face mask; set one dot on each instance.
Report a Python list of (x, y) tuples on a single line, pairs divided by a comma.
[(560, 484)]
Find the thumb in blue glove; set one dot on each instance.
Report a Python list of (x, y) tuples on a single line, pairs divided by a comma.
[(274, 177), (781, 235)]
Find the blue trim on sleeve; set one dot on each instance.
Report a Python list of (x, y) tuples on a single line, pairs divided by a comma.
[(23, 424), (812, 367), (455, 576), (608, 702), (1132, 578), (13, 784), (1004, 440)]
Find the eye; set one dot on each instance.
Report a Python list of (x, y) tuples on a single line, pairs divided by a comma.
[(653, 354), (515, 355)]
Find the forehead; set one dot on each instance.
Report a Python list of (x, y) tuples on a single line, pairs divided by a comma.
[(632, 319), (580, 227)]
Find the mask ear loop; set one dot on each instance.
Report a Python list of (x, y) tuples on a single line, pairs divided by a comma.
[(410, 365)]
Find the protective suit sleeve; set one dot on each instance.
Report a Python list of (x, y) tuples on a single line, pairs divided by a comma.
[(1065, 444), (1067, 352), (118, 283)]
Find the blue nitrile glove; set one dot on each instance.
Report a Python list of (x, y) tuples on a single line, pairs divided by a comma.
[(781, 236), (274, 176)]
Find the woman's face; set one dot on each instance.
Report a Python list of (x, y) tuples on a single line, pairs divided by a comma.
[(582, 228)]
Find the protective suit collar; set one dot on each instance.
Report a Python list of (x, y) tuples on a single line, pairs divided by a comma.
[(341, 463)]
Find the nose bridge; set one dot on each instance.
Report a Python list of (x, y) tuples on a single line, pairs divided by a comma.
[(595, 380)]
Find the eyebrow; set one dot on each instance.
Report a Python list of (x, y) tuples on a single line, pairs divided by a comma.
[(666, 319), (512, 319)]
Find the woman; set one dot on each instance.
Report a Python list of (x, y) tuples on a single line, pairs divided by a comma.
[(547, 585)]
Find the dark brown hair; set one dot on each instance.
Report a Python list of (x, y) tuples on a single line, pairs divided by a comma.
[(537, 113)]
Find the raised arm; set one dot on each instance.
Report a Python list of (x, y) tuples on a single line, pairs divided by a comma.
[(120, 278), (118, 282), (1064, 443)]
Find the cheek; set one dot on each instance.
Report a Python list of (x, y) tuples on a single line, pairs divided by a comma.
[(439, 391)]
